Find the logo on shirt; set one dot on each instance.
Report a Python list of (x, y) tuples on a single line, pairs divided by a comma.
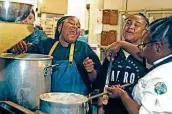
[(124, 71), (160, 88)]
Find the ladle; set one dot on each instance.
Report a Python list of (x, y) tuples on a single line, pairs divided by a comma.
[(103, 93)]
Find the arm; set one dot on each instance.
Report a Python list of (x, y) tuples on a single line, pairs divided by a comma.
[(92, 64), (100, 106), (41, 47), (130, 48), (131, 106)]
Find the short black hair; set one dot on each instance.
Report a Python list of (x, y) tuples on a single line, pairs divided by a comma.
[(142, 15)]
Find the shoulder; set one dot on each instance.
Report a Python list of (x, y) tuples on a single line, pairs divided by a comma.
[(81, 44), (163, 71), (47, 42), (39, 32)]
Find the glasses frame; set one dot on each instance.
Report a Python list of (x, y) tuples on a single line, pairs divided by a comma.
[(142, 45)]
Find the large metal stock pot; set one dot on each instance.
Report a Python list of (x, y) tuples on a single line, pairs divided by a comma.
[(11, 10), (63, 103), (24, 77)]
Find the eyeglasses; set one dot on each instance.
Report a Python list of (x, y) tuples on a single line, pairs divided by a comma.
[(142, 45)]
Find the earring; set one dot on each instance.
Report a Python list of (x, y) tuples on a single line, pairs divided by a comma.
[(158, 50)]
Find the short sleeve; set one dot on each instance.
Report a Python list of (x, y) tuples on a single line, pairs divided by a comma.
[(157, 97)]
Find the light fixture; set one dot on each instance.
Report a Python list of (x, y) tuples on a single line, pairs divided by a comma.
[(7, 3), (125, 15)]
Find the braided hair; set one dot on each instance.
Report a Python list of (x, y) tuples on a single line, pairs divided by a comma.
[(161, 29)]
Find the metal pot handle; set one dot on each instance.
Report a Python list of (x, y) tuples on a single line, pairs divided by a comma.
[(46, 69), (86, 107)]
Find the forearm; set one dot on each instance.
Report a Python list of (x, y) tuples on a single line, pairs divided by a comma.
[(100, 106), (131, 48), (131, 106), (92, 75), (100, 110)]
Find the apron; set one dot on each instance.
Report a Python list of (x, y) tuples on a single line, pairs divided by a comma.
[(66, 78)]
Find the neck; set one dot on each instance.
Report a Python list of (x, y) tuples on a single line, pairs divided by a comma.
[(163, 55), (135, 43), (63, 42)]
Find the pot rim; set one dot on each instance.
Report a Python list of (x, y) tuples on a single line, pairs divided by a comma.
[(85, 99), (24, 56)]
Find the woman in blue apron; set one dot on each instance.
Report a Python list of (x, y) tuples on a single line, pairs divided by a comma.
[(78, 63), (153, 92)]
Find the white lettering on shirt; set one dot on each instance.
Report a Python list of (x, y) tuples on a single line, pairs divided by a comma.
[(132, 77), (125, 77), (113, 76)]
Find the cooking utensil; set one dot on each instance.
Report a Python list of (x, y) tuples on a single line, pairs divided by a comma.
[(63, 103), (13, 11), (125, 85), (98, 95), (23, 78), (105, 100), (106, 92)]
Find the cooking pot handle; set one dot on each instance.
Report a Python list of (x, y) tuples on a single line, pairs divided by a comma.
[(50, 67), (86, 107)]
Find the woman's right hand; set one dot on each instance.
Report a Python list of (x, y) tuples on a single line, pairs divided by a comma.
[(115, 47), (21, 47)]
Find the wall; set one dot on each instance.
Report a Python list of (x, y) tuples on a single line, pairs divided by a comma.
[(137, 4), (94, 6), (120, 5), (78, 8), (54, 6)]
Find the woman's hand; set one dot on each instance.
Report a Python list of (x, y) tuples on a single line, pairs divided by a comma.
[(89, 65), (115, 91), (114, 47), (21, 47)]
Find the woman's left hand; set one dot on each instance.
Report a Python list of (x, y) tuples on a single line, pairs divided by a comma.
[(115, 91), (89, 65)]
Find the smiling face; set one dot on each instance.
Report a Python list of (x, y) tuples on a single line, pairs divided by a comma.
[(134, 28), (70, 30)]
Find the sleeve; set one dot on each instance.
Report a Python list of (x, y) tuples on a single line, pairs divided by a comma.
[(38, 35), (41, 47), (43, 36), (101, 77), (92, 55), (157, 97)]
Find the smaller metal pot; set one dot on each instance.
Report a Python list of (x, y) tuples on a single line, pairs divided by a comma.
[(63, 103)]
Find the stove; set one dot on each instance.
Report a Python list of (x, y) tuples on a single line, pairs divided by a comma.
[(8, 107)]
